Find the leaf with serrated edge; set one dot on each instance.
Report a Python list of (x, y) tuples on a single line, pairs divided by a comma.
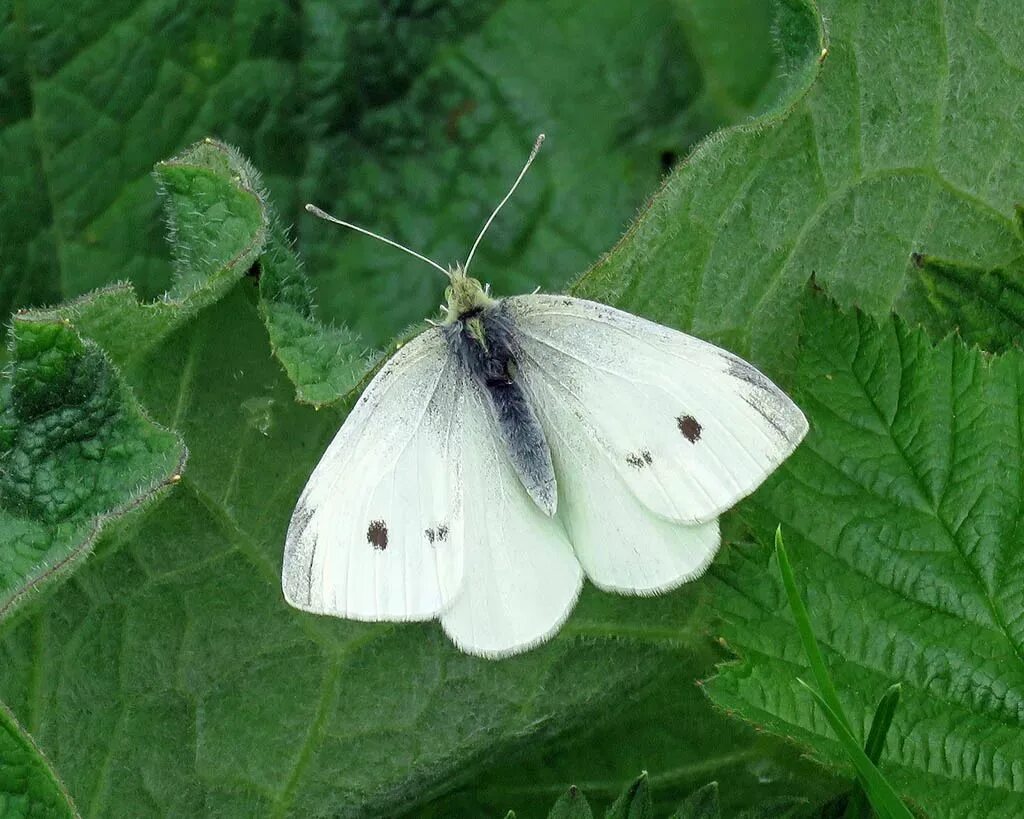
[(903, 510)]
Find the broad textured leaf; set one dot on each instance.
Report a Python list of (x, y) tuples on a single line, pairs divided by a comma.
[(210, 655), (667, 729), (29, 788), (910, 141), (77, 452), (420, 124), (903, 512)]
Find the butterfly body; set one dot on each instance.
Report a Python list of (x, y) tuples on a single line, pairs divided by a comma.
[(482, 338)]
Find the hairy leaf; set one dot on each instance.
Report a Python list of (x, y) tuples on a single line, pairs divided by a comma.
[(76, 451), (909, 141), (903, 511)]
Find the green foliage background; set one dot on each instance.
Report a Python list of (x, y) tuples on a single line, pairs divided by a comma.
[(156, 431)]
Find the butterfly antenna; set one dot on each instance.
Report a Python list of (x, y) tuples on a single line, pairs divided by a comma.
[(328, 218), (501, 204)]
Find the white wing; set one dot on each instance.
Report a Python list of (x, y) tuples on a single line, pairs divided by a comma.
[(378, 531), (521, 577), (689, 428), (621, 545)]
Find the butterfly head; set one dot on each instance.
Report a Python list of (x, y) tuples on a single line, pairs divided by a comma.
[(463, 295)]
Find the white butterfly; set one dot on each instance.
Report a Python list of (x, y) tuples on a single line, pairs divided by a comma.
[(519, 445)]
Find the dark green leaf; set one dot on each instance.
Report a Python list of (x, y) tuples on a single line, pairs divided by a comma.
[(634, 802), (571, 805), (29, 787), (986, 306), (903, 510), (76, 451), (701, 804)]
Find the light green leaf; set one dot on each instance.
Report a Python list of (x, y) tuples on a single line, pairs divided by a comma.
[(29, 787), (908, 142), (325, 362), (903, 510), (76, 451)]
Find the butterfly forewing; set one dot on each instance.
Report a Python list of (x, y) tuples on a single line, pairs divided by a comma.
[(378, 531), (688, 427), (620, 544)]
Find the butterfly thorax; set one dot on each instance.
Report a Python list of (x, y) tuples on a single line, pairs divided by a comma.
[(464, 295)]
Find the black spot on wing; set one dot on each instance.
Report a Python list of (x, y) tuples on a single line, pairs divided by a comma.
[(377, 535), (639, 459), (690, 428), (437, 535)]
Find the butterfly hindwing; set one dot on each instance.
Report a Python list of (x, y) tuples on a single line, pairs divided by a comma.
[(521, 577), (378, 531)]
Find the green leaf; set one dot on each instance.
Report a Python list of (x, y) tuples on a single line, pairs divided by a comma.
[(986, 306), (669, 728), (634, 802), (872, 784), (218, 225), (424, 121), (903, 510), (29, 787), (701, 804), (77, 452), (571, 805), (906, 142), (325, 362)]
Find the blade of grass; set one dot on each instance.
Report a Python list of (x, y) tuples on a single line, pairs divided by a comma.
[(803, 625), (881, 794), (857, 806)]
